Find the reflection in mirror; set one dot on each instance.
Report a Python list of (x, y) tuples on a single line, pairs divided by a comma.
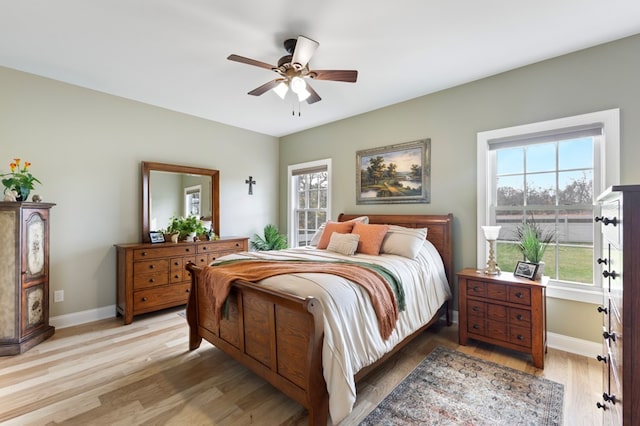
[(172, 190)]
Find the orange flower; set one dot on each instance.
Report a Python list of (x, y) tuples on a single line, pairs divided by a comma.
[(13, 167), (26, 166)]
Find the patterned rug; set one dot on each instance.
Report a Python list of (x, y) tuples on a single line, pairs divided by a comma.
[(452, 388)]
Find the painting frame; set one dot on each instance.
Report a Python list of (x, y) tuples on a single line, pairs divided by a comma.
[(526, 270), (408, 185)]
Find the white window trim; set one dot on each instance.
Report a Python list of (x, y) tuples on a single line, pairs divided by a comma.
[(610, 163), (291, 196)]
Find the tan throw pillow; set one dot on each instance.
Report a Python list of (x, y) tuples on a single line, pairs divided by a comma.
[(316, 237), (330, 228), (371, 237), (403, 241), (343, 243)]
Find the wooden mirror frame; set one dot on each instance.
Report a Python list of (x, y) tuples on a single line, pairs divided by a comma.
[(147, 167)]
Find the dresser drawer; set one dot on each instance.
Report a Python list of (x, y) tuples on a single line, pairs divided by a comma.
[(476, 325), (149, 266), (167, 250), (476, 288), (157, 298), (520, 295), (153, 279), (519, 317), (520, 336), (232, 246), (476, 308)]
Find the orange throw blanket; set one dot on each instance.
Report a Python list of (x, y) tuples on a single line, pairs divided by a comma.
[(217, 282)]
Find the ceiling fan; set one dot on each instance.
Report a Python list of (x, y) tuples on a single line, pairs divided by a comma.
[(293, 70)]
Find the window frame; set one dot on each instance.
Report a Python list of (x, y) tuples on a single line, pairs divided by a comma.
[(292, 192), (606, 173)]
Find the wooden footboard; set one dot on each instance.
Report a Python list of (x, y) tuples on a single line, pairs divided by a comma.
[(277, 335)]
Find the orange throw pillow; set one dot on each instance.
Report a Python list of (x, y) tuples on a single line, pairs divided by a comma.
[(330, 228), (371, 237)]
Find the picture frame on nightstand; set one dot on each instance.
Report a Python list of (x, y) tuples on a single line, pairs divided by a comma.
[(526, 270), (156, 237)]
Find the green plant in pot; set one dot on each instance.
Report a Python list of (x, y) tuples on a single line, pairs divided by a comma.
[(185, 226), (272, 240), (533, 242)]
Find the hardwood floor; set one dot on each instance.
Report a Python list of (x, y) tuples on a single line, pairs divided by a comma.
[(105, 373)]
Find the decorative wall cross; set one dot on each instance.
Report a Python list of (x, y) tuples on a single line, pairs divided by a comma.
[(250, 182)]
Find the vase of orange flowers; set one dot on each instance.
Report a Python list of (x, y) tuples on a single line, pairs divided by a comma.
[(19, 179)]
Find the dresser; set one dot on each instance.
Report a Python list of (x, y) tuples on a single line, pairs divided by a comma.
[(619, 265), (503, 310), (24, 276), (154, 276)]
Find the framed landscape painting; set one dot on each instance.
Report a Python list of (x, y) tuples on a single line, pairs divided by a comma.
[(394, 174)]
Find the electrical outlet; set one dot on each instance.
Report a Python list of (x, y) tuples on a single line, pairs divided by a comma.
[(58, 296)]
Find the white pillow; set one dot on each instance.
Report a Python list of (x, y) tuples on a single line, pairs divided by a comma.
[(403, 241), (343, 243), (316, 237)]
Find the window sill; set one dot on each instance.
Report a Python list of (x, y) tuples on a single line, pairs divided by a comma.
[(591, 295)]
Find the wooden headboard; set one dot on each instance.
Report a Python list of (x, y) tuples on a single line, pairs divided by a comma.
[(439, 231)]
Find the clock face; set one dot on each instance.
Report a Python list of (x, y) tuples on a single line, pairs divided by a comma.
[(35, 246)]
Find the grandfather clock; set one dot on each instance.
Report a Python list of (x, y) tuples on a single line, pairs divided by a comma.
[(24, 276)]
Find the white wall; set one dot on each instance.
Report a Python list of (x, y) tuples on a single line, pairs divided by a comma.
[(86, 148)]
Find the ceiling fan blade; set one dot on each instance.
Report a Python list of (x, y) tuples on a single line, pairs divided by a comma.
[(313, 97), (305, 48), (349, 76), (250, 61), (265, 87)]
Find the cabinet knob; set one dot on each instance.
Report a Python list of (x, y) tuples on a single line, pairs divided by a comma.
[(609, 398), (520, 337), (476, 326), (612, 274), (152, 266), (237, 244), (519, 317), (602, 358), (476, 288), (204, 248), (475, 309), (601, 406), (144, 253), (608, 335), (187, 290), (176, 263), (602, 309), (187, 249), (144, 299), (519, 295), (152, 280), (176, 276), (602, 261)]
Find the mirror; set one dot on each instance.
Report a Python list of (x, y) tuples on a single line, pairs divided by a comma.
[(169, 189)]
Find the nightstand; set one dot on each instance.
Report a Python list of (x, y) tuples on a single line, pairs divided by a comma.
[(503, 310)]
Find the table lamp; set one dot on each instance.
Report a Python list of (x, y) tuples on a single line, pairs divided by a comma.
[(491, 234)]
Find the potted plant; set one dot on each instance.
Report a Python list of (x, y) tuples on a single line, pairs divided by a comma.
[(533, 242), (186, 227), (272, 240), (19, 179)]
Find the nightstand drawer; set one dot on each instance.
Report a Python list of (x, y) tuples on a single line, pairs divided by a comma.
[(476, 288), (476, 325), (520, 295), (519, 317), (476, 308), (520, 336)]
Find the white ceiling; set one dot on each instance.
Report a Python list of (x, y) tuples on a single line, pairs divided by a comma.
[(172, 53)]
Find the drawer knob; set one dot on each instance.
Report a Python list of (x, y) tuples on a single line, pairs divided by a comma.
[(237, 244), (152, 280), (601, 406), (187, 249), (602, 261), (476, 326), (519, 317), (476, 288), (176, 276), (608, 335), (602, 309), (520, 337), (204, 248), (609, 398), (475, 309), (602, 358), (144, 299), (612, 274), (176, 263), (606, 221), (152, 266), (519, 295), (187, 290), (144, 253)]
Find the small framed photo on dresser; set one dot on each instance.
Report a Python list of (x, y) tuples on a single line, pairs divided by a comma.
[(525, 269), (156, 237)]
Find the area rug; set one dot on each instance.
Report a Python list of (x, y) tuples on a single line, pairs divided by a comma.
[(452, 388)]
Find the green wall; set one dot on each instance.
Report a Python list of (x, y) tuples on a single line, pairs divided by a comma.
[(599, 78)]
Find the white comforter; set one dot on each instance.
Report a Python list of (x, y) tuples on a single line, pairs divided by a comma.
[(351, 336)]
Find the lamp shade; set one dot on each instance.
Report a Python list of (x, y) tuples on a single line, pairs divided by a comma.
[(491, 232)]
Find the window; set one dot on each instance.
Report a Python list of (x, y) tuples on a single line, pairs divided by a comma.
[(192, 200), (309, 199), (550, 172)]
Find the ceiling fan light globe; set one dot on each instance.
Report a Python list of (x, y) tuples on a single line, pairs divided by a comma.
[(303, 95), (281, 89), (298, 85)]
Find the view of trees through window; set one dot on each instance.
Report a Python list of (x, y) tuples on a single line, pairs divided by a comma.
[(311, 204), (552, 184)]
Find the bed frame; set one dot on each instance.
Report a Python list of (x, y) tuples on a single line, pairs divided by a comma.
[(279, 336)]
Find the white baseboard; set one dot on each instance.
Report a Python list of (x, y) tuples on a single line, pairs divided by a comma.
[(565, 343), (77, 318)]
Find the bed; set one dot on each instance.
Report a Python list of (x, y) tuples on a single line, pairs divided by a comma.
[(281, 336)]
